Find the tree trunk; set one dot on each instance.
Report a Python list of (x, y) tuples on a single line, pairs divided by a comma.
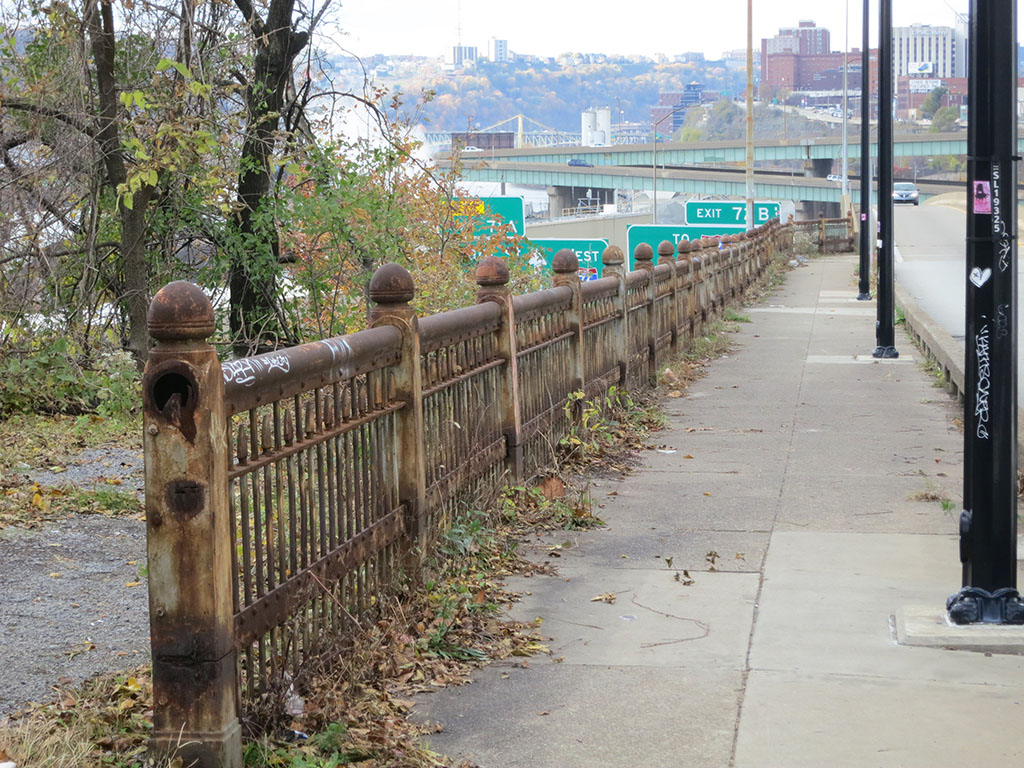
[(99, 18), (255, 323)]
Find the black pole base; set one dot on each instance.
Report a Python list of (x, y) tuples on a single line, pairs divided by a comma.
[(888, 353), (972, 605), (863, 297)]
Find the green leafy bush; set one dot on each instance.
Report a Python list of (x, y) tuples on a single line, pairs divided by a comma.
[(47, 377)]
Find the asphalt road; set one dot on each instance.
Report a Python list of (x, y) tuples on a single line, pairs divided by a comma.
[(930, 261), (930, 255)]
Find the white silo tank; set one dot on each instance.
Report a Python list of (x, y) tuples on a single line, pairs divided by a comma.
[(604, 125), (588, 127)]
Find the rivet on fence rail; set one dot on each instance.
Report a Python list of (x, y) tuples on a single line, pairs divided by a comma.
[(614, 259), (492, 277), (391, 290), (189, 534)]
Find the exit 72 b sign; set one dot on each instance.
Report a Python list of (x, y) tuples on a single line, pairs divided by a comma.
[(728, 212)]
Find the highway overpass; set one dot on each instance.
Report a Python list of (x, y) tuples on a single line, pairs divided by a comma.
[(712, 152), (728, 182)]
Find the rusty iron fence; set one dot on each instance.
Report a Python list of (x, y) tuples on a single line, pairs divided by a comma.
[(289, 492), (830, 235)]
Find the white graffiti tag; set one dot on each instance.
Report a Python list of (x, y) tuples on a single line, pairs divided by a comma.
[(239, 371), (1002, 321), (981, 407), (248, 369), (278, 362)]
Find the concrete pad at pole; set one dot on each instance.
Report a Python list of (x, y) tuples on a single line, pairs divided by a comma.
[(926, 626)]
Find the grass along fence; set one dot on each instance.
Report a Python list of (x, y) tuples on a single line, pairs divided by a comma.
[(288, 492)]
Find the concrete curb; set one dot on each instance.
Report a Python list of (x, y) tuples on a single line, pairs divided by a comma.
[(935, 340)]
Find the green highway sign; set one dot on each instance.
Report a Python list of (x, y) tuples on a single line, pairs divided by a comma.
[(588, 253), (728, 212), (654, 234), (493, 213)]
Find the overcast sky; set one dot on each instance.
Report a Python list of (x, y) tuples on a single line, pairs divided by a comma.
[(550, 27)]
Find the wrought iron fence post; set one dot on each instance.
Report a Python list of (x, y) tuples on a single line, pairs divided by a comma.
[(643, 258), (613, 260), (189, 536), (733, 248), (566, 267), (697, 272), (684, 275), (492, 278), (667, 255), (821, 233), (391, 290)]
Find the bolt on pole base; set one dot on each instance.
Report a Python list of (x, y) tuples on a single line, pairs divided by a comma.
[(973, 605), (863, 297), (887, 353)]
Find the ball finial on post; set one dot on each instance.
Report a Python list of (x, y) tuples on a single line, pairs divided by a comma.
[(566, 266), (180, 311), (666, 252), (492, 272), (613, 256), (392, 284), (565, 262), (643, 256)]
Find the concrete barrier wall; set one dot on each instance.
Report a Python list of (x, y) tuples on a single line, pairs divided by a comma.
[(947, 353), (612, 228)]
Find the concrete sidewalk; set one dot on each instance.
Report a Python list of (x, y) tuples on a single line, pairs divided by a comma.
[(803, 498)]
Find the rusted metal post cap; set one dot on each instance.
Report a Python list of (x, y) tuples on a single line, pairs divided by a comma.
[(180, 311), (685, 246), (666, 251), (565, 262), (392, 284), (642, 254), (613, 256), (492, 271)]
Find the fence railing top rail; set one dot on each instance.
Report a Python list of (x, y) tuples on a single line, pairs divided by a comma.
[(457, 325), (260, 379), (598, 289), (529, 305), (637, 277)]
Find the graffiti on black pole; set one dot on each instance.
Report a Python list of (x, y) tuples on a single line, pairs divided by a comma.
[(999, 230), (981, 409), (1002, 321)]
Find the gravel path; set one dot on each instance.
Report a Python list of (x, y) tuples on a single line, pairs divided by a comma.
[(94, 468), (66, 607)]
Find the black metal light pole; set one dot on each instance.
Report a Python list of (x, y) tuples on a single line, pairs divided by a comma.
[(867, 237), (885, 330), (988, 523)]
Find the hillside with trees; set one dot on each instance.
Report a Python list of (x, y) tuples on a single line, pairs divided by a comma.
[(553, 92)]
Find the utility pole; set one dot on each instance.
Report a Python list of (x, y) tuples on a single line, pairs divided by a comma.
[(885, 331), (750, 115), (867, 236), (988, 522), (846, 109)]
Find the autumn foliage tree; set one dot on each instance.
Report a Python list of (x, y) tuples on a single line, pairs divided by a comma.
[(141, 143)]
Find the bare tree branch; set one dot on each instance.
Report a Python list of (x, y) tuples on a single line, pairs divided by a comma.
[(38, 109)]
